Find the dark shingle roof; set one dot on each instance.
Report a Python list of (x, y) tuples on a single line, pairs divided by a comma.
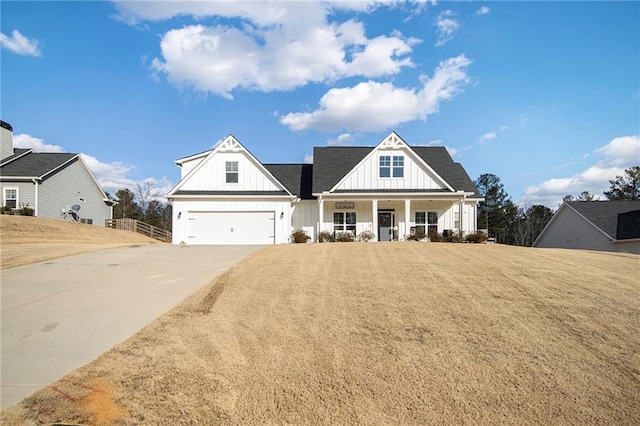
[(35, 164), (330, 164), (297, 178), (604, 214), (17, 152)]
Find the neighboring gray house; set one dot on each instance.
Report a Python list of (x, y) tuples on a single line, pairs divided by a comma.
[(55, 185), (594, 225), (227, 196)]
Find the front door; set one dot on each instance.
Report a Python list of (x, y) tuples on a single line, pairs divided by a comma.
[(385, 226)]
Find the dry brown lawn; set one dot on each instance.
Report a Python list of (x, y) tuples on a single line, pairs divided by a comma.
[(386, 333), (25, 240)]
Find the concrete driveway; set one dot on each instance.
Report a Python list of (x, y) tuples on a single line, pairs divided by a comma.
[(61, 314)]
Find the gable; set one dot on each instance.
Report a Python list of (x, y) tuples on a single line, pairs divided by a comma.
[(351, 169), (209, 174)]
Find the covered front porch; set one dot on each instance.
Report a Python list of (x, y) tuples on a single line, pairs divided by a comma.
[(395, 217)]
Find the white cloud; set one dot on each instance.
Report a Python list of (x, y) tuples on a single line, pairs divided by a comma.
[(111, 176), (488, 136), (371, 106), (503, 128), (446, 26), (273, 46), (345, 139), (619, 154), (20, 44), (27, 141), (308, 158), (484, 10)]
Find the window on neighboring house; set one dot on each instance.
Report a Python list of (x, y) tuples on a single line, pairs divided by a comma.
[(391, 166), (344, 222), (232, 172), (11, 197), (432, 223)]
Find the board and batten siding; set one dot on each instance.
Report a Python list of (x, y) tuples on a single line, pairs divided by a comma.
[(68, 187), (571, 230), (304, 216), (212, 175), (366, 175), (183, 208)]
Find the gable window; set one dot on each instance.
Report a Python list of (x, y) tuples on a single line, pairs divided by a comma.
[(398, 166), (11, 197), (231, 168), (391, 166), (344, 222), (385, 166)]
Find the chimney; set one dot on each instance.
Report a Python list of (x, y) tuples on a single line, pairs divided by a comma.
[(6, 140)]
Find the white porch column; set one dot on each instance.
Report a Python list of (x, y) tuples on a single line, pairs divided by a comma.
[(461, 221), (320, 214), (407, 217), (374, 221)]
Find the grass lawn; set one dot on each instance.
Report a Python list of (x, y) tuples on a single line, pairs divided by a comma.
[(377, 333)]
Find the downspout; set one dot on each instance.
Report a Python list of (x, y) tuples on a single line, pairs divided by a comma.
[(35, 208)]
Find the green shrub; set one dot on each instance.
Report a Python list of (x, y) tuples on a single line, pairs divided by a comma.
[(25, 210), (477, 237), (5, 210), (298, 236), (366, 236), (325, 237)]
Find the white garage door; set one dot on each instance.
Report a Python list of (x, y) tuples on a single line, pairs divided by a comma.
[(231, 228)]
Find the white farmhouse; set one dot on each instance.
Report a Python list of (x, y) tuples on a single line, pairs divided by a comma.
[(227, 196)]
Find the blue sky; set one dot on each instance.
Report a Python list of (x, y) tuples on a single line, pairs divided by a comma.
[(545, 95)]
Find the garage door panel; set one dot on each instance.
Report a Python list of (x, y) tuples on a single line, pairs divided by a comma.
[(241, 227)]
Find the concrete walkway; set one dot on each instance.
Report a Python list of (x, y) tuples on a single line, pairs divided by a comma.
[(61, 314)]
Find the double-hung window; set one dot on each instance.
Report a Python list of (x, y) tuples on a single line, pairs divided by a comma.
[(344, 222), (391, 166), (11, 197), (231, 168)]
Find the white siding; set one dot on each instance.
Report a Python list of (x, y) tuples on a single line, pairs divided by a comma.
[(570, 230), (212, 175), (182, 209), (305, 216), (66, 188), (366, 175)]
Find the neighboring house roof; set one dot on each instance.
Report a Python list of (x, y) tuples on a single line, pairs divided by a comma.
[(36, 165), (628, 225), (332, 163), (604, 214), (17, 153)]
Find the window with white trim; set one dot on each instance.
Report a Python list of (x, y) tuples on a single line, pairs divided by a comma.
[(231, 170), (344, 222), (391, 166), (10, 198), (421, 222), (456, 220), (432, 223)]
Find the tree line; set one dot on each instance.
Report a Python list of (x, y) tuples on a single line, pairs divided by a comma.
[(144, 204), (511, 224)]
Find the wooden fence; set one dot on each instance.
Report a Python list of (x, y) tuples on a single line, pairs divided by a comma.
[(135, 225)]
